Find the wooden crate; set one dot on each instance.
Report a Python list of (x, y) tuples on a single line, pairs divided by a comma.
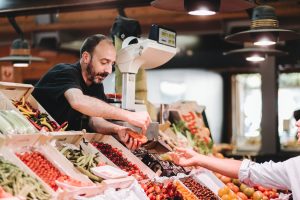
[(76, 138), (20, 143), (16, 91), (91, 137)]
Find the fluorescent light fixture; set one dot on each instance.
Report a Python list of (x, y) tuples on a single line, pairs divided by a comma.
[(202, 12), (255, 58), (264, 42)]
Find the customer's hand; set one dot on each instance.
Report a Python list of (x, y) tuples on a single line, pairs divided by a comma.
[(185, 157), (130, 142), (139, 119), (298, 130)]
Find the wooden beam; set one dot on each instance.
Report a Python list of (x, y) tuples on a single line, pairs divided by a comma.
[(103, 19)]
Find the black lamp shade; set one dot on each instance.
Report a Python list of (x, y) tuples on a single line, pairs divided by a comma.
[(253, 35), (224, 5), (264, 24), (20, 44), (20, 54), (259, 51)]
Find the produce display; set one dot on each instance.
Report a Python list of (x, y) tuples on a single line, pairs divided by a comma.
[(235, 188), (39, 120), (116, 156), (201, 191), (42, 167), (185, 127), (140, 137), (155, 162), (160, 191), (12, 122), (186, 193), (18, 183), (82, 161)]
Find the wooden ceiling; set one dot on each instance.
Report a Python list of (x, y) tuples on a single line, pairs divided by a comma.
[(82, 23)]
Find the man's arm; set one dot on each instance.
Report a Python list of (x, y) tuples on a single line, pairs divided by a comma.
[(96, 108), (102, 126)]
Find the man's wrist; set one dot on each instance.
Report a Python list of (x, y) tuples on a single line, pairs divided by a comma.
[(124, 115), (116, 129)]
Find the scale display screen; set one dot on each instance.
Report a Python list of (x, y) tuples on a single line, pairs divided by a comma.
[(163, 35)]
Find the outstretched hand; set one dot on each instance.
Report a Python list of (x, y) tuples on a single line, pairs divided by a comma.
[(185, 157), (298, 130), (130, 142)]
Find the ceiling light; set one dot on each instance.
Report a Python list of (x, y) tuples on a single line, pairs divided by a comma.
[(202, 7), (264, 24), (202, 12), (255, 58), (20, 55), (264, 42), (255, 54), (23, 64), (212, 5)]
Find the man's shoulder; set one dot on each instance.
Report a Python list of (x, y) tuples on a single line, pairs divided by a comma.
[(65, 67)]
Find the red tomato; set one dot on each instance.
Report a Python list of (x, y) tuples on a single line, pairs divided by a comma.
[(261, 188), (242, 196)]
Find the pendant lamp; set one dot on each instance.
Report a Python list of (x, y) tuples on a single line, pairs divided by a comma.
[(264, 29), (255, 54), (203, 7), (20, 54)]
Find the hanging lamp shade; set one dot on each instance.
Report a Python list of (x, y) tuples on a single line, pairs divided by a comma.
[(189, 5), (20, 54), (264, 29), (255, 54)]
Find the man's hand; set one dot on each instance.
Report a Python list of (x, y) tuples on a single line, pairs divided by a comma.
[(139, 119), (130, 142)]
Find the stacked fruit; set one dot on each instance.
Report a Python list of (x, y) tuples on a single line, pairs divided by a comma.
[(186, 193), (158, 163), (116, 156), (37, 119), (159, 191), (83, 162), (42, 167), (235, 188), (201, 191)]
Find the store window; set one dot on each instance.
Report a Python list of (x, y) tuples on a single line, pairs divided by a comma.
[(170, 85), (247, 111), (288, 103)]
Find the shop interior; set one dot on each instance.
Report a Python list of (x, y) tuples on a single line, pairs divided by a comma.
[(250, 108)]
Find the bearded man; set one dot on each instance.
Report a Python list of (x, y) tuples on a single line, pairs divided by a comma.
[(75, 93)]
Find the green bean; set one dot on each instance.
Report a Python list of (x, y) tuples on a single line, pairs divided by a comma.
[(19, 183)]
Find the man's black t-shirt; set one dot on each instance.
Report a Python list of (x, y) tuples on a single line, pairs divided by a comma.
[(49, 92)]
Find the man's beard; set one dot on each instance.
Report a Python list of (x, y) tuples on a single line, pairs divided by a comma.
[(95, 78)]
